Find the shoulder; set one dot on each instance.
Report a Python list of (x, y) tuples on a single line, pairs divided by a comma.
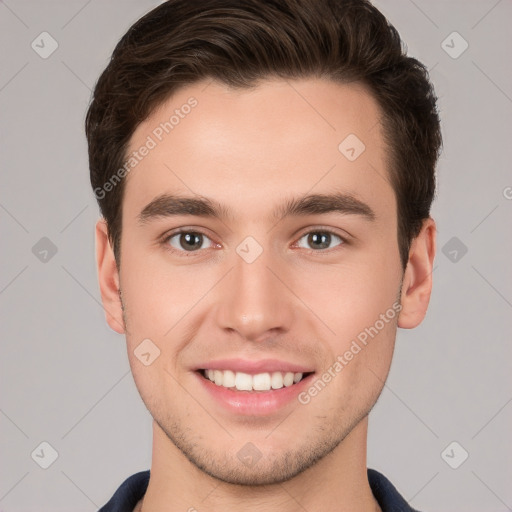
[(128, 494), (386, 494)]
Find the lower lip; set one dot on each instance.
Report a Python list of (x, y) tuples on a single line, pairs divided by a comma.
[(255, 403)]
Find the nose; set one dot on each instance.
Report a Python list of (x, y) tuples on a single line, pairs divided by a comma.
[(255, 300)]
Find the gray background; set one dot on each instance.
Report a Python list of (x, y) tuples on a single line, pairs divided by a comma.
[(65, 377)]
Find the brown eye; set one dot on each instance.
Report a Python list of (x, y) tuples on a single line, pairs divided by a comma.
[(320, 240), (189, 241)]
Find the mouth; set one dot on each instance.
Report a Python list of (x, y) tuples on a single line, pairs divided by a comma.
[(253, 388), (253, 383)]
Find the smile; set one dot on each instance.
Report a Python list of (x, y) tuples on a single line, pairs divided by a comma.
[(260, 394), (241, 381)]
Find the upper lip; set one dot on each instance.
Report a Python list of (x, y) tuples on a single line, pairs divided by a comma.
[(254, 367)]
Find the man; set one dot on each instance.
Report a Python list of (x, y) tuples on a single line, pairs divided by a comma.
[(265, 172)]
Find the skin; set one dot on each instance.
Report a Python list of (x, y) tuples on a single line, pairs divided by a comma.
[(249, 149)]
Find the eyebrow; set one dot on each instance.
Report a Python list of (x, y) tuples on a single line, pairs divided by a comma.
[(169, 205)]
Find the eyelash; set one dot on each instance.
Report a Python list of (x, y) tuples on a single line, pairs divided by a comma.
[(168, 237)]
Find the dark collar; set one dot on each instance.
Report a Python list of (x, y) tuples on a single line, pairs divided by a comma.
[(134, 488)]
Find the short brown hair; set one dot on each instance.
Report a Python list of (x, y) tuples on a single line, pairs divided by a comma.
[(239, 42)]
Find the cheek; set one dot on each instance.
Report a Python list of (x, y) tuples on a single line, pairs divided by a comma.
[(358, 301), (366, 323), (350, 298), (158, 294), (159, 300), (357, 372)]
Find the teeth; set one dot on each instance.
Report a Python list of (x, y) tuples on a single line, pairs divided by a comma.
[(277, 380), (243, 382), (229, 379), (288, 379), (259, 382)]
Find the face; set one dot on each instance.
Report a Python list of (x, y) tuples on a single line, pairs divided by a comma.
[(258, 282)]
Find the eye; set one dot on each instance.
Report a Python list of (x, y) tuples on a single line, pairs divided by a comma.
[(187, 241), (193, 241), (320, 239)]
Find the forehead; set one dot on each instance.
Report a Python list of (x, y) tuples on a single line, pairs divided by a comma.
[(248, 146)]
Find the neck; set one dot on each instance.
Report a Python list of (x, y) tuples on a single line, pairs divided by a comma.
[(338, 482)]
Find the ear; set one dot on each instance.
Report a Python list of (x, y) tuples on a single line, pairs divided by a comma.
[(417, 281), (108, 277)]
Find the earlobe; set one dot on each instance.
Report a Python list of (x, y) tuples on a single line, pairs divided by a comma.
[(108, 277), (417, 282)]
